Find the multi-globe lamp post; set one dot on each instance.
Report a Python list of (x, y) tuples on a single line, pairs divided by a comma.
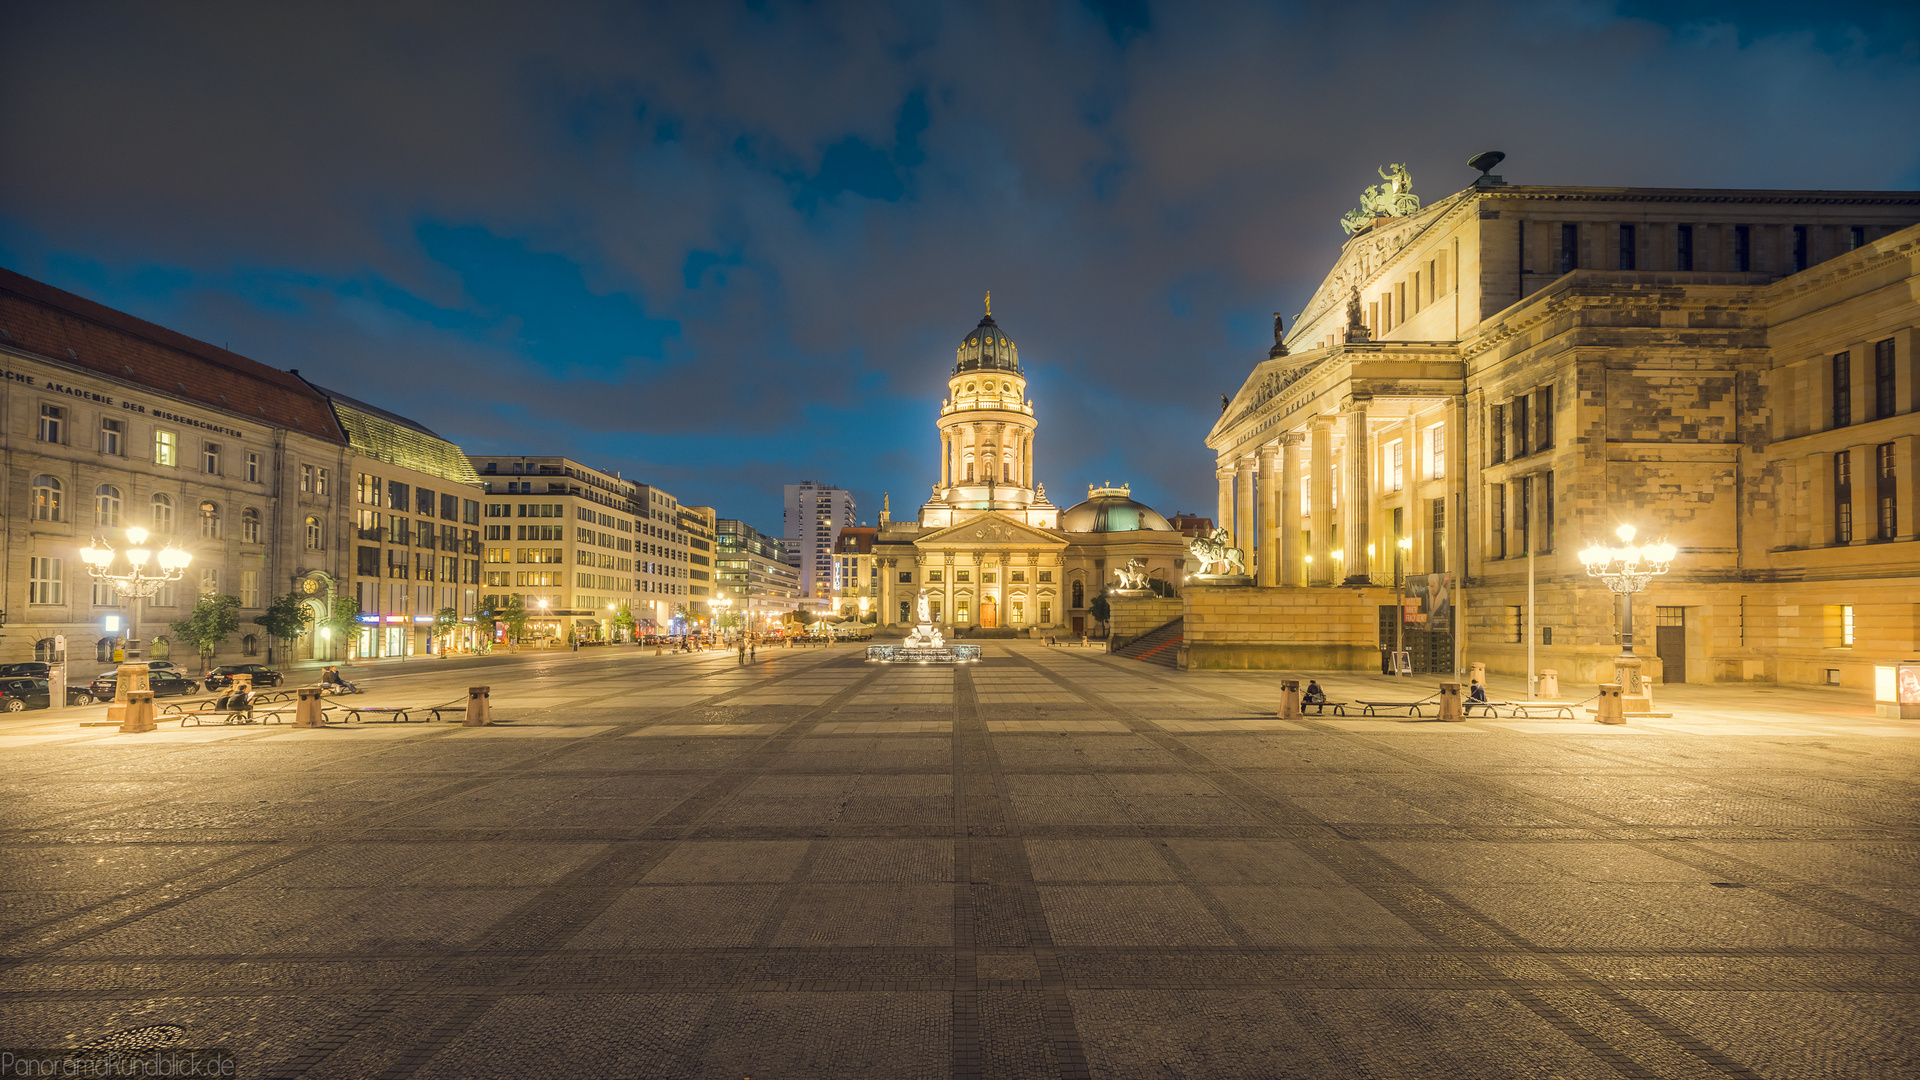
[(145, 573), (720, 603), (1626, 570)]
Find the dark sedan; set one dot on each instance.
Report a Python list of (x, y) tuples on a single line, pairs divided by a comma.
[(222, 677), (19, 695), (162, 683)]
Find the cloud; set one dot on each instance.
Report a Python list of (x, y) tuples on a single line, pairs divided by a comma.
[(736, 243)]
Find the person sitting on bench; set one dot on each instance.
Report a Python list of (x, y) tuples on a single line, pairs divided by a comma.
[(1314, 695), (1477, 694)]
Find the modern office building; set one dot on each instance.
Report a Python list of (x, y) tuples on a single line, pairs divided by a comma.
[(111, 422), (751, 568), (564, 537), (700, 525), (815, 514), (856, 576), (1481, 388), (663, 557)]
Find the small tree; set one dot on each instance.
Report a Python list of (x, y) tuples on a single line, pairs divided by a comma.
[(343, 616), (1100, 609), (445, 622), (623, 620), (285, 620), (213, 620), (509, 609)]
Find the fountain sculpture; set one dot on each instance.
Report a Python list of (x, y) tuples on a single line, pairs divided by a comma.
[(924, 644)]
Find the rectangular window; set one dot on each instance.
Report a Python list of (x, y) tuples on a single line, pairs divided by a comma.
[(1683, 247), (163, 597), (1400, 299), (45, 585), (209, 579), (1497, 433), (1522, 430), (1627, 247), (1440, 286), (1516, 623), (249, 588), (1885, 500), (450, 508), (399, 531), (53, 423), (1545, 528), (1843, 626), (906, 577), (423, 502), (253, 467), (1523, 512), (1497, 498), (1843, 497), (1437, 539), (1396, 466), (1046, 613), (1543, 418), (1046, 577), (1884, 382), (1842, 389), (499, 510), (1569, 247), (306, 478), (399, 496), (113, 435), (1799, 248), (1018, 577), (498, 555), (1419, 297), (960, 611), (935, 577), (1742, 248), (104, 595), (368, 561), (166, 448), (989, 577), (210, 458), (1856, 238), (1436, 452), (470, 512), (963, 576)]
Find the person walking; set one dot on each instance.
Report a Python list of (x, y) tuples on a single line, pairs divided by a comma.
[(743, 652)]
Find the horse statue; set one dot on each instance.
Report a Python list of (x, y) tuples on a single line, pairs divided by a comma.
[(1393, 198), (1133, 575), (1214, 551)]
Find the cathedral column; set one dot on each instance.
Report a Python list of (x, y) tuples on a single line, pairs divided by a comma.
[(1028, 457), (1321, 492), (1287, 519), (1225, 520), (1359, 462), (885, 598), (1269, 539), (946, 460), (1243, 534)]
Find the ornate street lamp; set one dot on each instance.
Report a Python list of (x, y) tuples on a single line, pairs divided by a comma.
[(1627, 570), (720, 603), (146, 573)]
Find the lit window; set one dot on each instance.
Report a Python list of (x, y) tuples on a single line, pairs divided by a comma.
[(1846, 626), (253, 468), (166, 448), (210, 521), (46, 498), (314, 534)]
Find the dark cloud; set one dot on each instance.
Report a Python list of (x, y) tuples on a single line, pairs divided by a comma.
[(728, 246)]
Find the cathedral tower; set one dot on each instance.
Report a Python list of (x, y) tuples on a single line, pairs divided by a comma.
[(986, 436)]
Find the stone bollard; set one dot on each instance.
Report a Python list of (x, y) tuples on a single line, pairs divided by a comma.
[(479, 706), (1290, 699), (1450, 703), (139, 715), (308, 712), (1476, 674), (1636, 693), (1549, 684), (1607, 708)]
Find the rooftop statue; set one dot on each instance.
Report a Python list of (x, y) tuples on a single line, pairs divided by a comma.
[(1356, 321), (1394, 198)]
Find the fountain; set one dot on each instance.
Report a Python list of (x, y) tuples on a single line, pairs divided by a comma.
[(924, 645)]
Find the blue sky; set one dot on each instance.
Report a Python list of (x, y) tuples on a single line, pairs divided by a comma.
[(724, 247)]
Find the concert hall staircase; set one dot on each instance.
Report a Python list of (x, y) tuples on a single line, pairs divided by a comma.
[(1160, 645)]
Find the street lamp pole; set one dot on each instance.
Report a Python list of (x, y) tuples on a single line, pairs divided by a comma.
[(1627, 570), (146, 573)]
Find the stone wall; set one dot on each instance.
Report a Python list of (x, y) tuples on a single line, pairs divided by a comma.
[(1136, 615), (1287, 628)]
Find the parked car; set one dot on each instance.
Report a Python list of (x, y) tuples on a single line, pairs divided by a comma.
[(162, 683), (19, 695), (168, 665), (31, 669), (222, 677)]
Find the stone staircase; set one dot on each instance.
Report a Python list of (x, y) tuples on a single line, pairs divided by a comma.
[(1160, 645)]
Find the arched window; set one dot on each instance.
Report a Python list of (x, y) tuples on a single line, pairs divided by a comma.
[(210, 520), (1079, 593), (162, 649), (46, 499), (103, 650), (43, 650), (969, 472), (1006, 471), (106, 506), (314, 535), (250, 645), (250, 525), (163, 514)]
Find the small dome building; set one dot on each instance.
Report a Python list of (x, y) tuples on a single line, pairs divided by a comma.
[(1112, 510)]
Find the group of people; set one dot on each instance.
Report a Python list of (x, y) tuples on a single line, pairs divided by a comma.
[(333, 682)]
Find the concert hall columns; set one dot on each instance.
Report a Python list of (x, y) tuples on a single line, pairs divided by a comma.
[(1322, 571), (1269, 555)]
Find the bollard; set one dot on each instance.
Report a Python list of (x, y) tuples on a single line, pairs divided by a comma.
[(1450, 704), (1549, 684), (479, 707), (308, 712), (1477, 673), (1290, 699), (1607, 708), (139, 714), (1636, 693)]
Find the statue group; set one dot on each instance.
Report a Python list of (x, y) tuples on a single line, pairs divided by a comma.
[(1216, 556), (1393, 198)]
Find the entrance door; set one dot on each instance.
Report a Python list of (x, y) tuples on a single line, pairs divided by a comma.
[(989, 612), (1080, 625), (1670, 643)]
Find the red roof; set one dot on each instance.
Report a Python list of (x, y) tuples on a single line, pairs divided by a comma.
[(74, 331), (856, 540)]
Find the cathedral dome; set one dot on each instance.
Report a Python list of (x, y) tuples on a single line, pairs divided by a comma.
[(987, 349), (1109, 510)]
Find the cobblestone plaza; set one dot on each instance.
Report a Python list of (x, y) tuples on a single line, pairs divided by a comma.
[(1051, 863)]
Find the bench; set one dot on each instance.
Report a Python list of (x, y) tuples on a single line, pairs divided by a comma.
[(458, 705), (1077, 644), (356, 714), (1530, 709), (228, 716), (1493, 707), (1367, 708), (1320, 707), (803, 643)]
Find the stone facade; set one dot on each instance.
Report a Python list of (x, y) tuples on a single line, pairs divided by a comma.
[(1548, 363)]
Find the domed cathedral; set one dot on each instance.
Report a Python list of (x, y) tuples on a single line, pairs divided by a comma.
[(994, 553)]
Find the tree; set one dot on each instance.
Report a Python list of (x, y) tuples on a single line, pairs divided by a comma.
[(1100, 609), (445, 622), (509, 609), (804, 618), (285, 620), (213, 620), (342, 617), (623, 620)]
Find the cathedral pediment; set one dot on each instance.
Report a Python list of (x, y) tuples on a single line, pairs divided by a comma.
[(989, 530)]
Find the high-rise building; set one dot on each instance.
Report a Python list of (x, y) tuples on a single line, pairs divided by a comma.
[(751, 567), (564, 537), (816, 513), (663, 558)]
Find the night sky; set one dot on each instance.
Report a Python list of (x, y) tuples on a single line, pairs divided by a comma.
[(723, 247)]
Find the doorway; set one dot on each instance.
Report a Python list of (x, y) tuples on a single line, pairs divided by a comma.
[(1670, 643), (989, 612)]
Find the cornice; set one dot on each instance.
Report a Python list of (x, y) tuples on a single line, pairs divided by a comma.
[(1701, 195)]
